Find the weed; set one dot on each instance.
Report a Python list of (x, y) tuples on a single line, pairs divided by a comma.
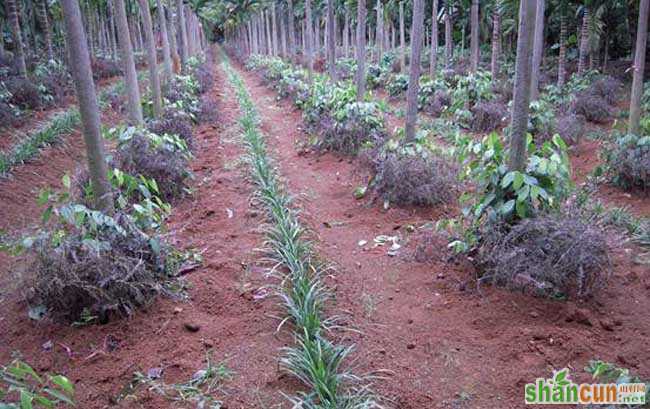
[(25, 388), (199, 389)]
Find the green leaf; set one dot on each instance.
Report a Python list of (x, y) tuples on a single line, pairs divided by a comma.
[(59, 396), (508, 179), (63, 382), (66, 181), (47, 214), (26, 399), (507, 207), (43, 401), (518, 181), (521, 209)]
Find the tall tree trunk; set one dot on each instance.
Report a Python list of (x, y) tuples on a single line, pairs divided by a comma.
[(182, 38), (474, 36), (561, 63), (496, 40), (433, 53), (639, 68), (88, 107), (176, 59), (291, 24), (283, 34), (128, 65), (45, 25), (521, 97), (267, 28), (584, 41), (308, 39), (417, 28), (2, 45), (346, 36), (402, 39), (538, 50), (112, 30), (331, 40), (152, 61), (14, 23), (164, 39), (361, 50), (315, 34), (379, 36), (449, 40), (274, 31)]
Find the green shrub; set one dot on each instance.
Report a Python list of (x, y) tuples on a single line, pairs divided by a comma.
[(507, 196), (397, 84), (90, 264), (627, 161), (341, 123), (164, 158)]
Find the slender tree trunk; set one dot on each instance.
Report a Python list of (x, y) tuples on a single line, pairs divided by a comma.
[(331, 40), (379, 35), (605, 54), (639, 68), (274, 31), (417, 28), (292, 32), (402, 39), (449, 46), (88, 107), (182, 38), (521, 97), (45, 26), (361, 50), (561, 63), (283, 34), (346, 36), (176, 59), (2, 45), (584, 41), (474, 36), (111, 30), (152, 61), (538, 50), (267, 31), (128, 65), (164, 39), (316, 37), (308, 39), (14, 23), (496, 40), (433, 54)]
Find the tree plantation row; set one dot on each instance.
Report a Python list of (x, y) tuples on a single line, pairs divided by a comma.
[(321, 203)]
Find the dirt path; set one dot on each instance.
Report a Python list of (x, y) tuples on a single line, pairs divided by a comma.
[(447, 346), (233, 322)]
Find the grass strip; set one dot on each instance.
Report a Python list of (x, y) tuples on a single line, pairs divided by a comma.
[(50, 133), (29, 147), (315, 360)]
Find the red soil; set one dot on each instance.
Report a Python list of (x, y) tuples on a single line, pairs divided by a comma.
[(445, 346), (234, 324)]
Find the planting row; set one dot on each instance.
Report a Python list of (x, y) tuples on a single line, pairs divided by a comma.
[(503, 218), (317, 361)]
